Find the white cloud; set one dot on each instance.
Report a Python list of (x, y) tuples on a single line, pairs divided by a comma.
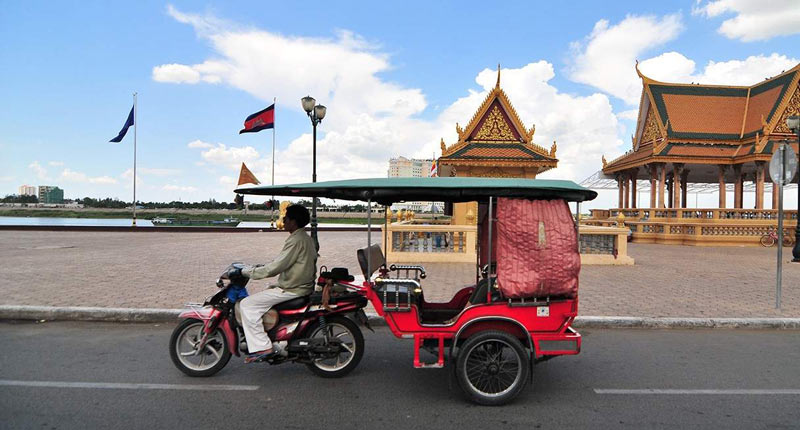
[(176, 73), (753, 20), (40, 171), (199, 144), (746, 72), (605, 59), (631, 115), (56, 163), (674, 67), (231, 157), (371, 120), (6, 178), (171, 187), (73, 176)]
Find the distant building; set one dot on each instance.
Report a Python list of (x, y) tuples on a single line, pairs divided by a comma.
[(27, 190), (50, 194), (402, 167)]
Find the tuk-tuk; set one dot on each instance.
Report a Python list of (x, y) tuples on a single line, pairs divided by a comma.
[(525, 298)]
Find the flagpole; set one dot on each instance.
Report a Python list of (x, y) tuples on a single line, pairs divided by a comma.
[(135, 126), (272, 201)]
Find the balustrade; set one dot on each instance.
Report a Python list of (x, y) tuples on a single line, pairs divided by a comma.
[(696, 226)]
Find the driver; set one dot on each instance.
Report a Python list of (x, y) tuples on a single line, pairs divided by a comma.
[(296, 265)]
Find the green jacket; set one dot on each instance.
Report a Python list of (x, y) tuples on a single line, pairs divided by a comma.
[(296, 264)]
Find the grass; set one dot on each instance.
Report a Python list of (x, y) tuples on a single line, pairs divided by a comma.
[(111, 214)]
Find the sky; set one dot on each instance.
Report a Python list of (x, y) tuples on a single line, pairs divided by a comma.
[(396, 78)]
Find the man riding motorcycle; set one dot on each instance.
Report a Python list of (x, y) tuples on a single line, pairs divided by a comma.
[(297, 267)]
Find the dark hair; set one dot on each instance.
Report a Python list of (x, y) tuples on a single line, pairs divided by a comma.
[(299, 214)]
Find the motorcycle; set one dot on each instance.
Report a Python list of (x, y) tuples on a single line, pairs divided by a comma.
[(319, 330)]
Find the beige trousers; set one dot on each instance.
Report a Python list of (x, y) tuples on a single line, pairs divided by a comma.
[(253, 308)]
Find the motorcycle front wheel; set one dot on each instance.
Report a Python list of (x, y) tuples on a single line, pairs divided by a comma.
[(347, 332), (206, 362)]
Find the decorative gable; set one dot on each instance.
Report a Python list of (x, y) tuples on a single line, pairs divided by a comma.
[(792, 108), (651, 131), (494, 127)]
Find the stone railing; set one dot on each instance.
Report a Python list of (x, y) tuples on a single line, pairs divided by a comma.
[(604, 245), (700, 214), (428, 243), (696, 226)]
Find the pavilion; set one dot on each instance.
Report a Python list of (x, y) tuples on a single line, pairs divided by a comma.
[(706, 134)]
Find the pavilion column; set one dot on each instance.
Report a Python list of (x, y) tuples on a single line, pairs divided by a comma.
[(653, 181), (684, 188), (621, 190), (677, 172), (662, 182), (669, 191), (775, 194), (627, 190), (738, 188), (634, 176), (760, 184), (722, 189)]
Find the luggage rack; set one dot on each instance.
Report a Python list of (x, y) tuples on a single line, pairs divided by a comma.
[(411, 287)]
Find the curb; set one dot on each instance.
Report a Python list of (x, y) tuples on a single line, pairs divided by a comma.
[(75, 313)]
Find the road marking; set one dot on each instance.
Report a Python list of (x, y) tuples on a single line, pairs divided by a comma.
[(126, 386), (791, 392)]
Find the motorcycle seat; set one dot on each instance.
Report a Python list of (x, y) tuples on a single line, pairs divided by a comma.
[(292, 304)]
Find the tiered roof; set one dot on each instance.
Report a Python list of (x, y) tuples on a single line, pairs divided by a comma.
[(692, 123), (495, 136)]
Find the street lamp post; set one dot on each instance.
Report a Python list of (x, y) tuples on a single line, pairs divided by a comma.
[(316, 113), (793, 123)]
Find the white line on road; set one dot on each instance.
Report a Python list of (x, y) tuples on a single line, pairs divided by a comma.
[(126, 386), (756, 392)]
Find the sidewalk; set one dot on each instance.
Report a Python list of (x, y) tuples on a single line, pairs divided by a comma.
[(166, 270)]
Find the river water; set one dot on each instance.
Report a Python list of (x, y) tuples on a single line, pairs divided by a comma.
[(121, 222)]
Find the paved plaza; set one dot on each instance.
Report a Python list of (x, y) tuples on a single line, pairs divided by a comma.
[(166, 270)]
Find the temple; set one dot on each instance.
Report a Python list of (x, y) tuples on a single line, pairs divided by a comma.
[(710, 134), (495, 143)]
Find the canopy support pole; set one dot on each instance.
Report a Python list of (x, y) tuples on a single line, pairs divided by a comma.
[(489, 258), (369, 238)]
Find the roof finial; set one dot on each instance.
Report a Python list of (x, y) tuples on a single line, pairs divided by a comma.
[(637, 70), (497, 85)]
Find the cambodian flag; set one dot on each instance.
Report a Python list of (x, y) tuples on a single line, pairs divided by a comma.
[(260, 120), (125, 128)]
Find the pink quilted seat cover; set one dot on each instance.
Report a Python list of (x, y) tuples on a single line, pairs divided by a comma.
[(537, 253)]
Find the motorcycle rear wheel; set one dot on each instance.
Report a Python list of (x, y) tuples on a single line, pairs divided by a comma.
[(346, 331), (210, 360)]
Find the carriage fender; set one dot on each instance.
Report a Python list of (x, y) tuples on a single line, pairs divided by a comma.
[(505, 324)]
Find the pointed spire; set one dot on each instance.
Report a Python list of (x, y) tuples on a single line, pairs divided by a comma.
[(497, 85)]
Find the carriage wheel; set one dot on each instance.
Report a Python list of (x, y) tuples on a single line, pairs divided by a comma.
[(492, 367)]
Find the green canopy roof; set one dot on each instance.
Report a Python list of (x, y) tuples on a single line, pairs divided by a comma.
[(390, 190)]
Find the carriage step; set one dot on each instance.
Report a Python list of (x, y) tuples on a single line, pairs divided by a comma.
[(429, 366), (418, 340)]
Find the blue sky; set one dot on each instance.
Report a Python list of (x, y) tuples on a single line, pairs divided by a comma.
[(396, 77)]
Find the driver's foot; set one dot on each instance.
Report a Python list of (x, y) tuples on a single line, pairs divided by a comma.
[(260, 356)]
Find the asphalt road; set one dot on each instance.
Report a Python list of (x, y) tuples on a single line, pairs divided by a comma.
[(750, 380)]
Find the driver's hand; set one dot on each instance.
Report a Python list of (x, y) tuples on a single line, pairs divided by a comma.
[(235, 272)]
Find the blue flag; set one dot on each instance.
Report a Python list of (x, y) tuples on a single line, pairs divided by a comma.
[(125, 127)]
